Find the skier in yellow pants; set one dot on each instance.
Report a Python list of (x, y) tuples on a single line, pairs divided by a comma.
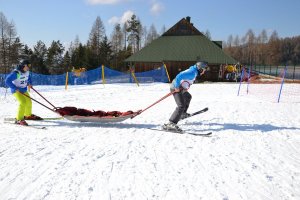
[(18, 81)]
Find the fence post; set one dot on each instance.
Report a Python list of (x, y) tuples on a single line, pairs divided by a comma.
[(294, 72), (67, 80), (103, 76), (167, 72), (134, 77)]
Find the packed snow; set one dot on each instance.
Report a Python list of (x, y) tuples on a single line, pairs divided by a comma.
[(253, 153)]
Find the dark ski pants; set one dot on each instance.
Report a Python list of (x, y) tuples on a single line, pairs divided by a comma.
[(182, 99)]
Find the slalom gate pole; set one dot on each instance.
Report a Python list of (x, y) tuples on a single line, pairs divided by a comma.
[(241, 80), (248, 81), (282, 82), (37, 102), (43, 97), (164, 97)]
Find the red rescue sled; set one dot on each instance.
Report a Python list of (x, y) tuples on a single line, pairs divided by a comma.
[(99, 116)]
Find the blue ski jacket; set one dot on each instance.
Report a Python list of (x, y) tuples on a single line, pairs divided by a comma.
[(188, 76), (17, 80)]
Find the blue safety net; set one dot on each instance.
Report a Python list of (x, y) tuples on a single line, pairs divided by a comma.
[(2, 80), (95, 76)]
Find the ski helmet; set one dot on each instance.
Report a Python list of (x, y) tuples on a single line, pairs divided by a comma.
[(22, 64), (202, 65)]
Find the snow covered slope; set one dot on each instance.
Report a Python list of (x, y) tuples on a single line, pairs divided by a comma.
[(254, 152)]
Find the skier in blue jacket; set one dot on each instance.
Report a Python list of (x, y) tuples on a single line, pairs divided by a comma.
[(180, 85), (18, 81)]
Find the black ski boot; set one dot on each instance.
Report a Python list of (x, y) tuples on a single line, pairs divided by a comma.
[(171, 126)]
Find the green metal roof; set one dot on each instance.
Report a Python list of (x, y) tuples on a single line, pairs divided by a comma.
[(182, 48)]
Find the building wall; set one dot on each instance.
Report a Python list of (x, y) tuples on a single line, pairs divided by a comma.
[(175, 67)]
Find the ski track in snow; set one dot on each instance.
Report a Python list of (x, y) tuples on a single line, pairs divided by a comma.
[(254, 152)]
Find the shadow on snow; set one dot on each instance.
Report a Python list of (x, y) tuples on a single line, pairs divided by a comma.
[(207, 126)]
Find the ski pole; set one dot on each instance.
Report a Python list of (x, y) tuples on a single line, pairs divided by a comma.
[(37, 102), (43, 97), (167, 95)]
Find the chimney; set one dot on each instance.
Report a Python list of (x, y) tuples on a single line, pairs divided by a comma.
[(188, 18)]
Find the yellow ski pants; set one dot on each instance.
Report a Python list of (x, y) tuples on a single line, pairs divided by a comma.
[(25, 105)]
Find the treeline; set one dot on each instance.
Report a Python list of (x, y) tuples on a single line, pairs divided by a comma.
[(99, 49), (263, 50), (127, 39)]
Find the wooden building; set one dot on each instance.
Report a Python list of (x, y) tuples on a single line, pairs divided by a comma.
[(178, 48)]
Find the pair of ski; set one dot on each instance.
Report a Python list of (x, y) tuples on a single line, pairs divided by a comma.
[(27, 126), (187, 132), (12, 121)]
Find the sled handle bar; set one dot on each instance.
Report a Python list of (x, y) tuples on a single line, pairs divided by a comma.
[(164, 97), (43, 97), (37, 101)]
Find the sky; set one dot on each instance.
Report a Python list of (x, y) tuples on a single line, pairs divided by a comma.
[(252, 154), (64, 20)]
